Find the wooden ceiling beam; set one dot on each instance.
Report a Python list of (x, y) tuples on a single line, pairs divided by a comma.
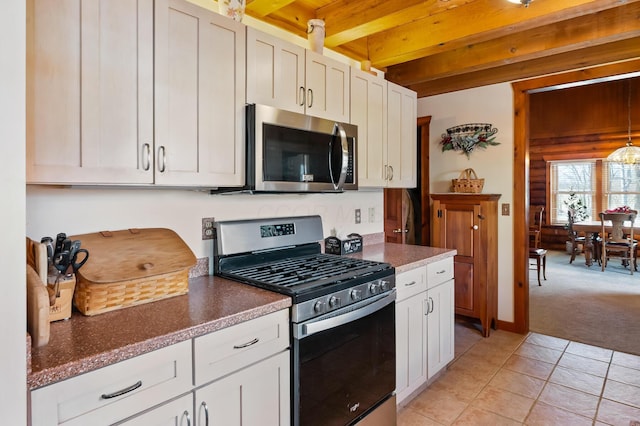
[(347, 20), (577, 33), (623, 50), (262, 8), (475, 22)]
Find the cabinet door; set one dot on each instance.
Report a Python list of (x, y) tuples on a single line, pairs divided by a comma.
[(327, 82), (440, 327), (200, 65), (178, 412), (401, 136), (411, 345), (255, 396), (369, 113), (89, 91), (275, 72), (458, 228)]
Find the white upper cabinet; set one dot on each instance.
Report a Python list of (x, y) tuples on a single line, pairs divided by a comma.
[(287, 76), (401, 162), (386, 115), (369, 113), (89, 91), (200, 92)]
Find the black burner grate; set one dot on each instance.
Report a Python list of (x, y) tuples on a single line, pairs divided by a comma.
[(301, 271)]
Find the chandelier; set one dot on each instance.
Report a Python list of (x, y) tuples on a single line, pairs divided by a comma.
[(628, 154)]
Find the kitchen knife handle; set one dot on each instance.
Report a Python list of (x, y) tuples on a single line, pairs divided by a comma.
[(122, 391)]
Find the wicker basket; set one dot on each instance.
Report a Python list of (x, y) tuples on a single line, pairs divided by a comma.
[(468, 182), (131, 267)]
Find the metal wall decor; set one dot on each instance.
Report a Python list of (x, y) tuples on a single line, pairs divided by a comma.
[(468, 137)]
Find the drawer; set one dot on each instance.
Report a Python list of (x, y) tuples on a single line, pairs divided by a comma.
[(439, 272), (116, 392), (410, 283), (230, 349)]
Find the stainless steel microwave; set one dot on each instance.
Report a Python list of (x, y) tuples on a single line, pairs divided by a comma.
[(292, 152)]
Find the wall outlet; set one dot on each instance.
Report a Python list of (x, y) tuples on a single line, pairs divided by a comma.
[(372, 214), (208, 231), (505, 209), (358, 216)]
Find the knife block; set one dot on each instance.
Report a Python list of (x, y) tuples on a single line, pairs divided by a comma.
[(61, 310)]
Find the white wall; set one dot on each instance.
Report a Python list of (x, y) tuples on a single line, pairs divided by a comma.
[(490, 104), (77, 211), (13, 403)]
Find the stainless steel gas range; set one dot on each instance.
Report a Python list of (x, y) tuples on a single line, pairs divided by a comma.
[(342, 317)]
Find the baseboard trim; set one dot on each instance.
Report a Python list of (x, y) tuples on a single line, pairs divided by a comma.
[(509, 326)]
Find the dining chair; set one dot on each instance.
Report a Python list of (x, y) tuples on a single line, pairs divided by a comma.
[(615, 243), (575, 239), (535, 225)]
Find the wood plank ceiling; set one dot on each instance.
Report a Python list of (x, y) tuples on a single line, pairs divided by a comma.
[(438, 46)]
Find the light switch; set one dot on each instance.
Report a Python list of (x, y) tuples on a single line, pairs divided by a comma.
[(505, 209)]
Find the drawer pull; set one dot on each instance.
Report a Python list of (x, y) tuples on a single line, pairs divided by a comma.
[(410, 284), (122, 392), (245, 345), (441, 272)]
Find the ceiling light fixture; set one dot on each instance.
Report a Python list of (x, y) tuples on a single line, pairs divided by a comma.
[(524, 2), (628, 154)]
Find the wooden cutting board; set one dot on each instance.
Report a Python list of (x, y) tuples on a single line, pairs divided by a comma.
[(37, 309)]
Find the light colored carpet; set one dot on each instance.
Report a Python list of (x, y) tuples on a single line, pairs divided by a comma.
[(585, 304)]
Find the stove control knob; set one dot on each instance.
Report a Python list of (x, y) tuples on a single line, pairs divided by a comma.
[(356, 294), (374, 288), (384, 285), (318, 307), (333, 302)]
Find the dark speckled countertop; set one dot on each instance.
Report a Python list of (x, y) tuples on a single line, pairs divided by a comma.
[(403, 256), (82, 344)]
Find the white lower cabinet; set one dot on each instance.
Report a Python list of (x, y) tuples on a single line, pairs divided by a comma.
[(238, 375), (116, 392), (178, 412), (254, 396), (424, 325)]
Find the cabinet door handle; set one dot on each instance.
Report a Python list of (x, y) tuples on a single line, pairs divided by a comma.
[(185, 415), (301, 95), (391, 168), (245, 345), (206, 412), (162, 159), (122, 391), (430, 305), (310, 98), (475, 227), (409, 284), (146, 156)]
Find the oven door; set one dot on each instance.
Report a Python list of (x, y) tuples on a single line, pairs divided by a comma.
[(344, 363)]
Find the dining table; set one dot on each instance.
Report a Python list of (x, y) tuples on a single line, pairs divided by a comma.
[(591, 230)]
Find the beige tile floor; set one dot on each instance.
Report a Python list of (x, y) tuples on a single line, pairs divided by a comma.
[(513, 379)]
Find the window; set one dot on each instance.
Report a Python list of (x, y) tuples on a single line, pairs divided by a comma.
[(620, 186), (567, 177)]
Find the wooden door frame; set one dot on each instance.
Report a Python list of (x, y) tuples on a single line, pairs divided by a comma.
[(521, 91)]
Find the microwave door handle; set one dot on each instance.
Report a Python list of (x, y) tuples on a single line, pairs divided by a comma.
[(337, 128)]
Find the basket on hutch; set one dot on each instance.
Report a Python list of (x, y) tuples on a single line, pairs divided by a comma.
[(468, 182)]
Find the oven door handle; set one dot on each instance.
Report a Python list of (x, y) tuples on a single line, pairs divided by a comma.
[(305, 330)]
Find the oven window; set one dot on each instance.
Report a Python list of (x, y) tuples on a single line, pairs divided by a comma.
[(346, 370)]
